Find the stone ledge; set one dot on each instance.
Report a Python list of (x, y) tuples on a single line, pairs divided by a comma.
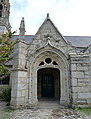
[(19, 69)]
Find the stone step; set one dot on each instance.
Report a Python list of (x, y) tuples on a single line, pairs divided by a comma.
[(49, 105)]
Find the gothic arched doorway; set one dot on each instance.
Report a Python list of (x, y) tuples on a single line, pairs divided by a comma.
[(48, 83)]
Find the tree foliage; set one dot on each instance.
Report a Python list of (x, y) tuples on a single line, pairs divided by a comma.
[(6, 48)]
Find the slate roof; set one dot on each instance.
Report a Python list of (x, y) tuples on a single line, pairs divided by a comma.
[(78, 41)]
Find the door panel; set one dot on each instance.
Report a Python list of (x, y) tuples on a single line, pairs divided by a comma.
[(47, 86)]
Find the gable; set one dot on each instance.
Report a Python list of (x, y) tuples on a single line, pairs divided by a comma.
[(48, 32), (48, 29)]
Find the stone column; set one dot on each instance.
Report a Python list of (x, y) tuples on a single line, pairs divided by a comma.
[(64, 89), (33, 101)]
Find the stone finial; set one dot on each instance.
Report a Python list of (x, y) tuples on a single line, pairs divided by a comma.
[(22, 29), (48, 16)]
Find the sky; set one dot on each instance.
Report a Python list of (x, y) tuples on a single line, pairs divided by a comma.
[(71, 17)]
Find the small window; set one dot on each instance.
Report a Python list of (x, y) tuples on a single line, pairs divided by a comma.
[(42, 63), (54, 63), (1, 7), (5, 81), (48, 60), (0, 13)]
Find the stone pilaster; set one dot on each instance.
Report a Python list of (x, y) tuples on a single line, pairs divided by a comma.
[(19, 93)]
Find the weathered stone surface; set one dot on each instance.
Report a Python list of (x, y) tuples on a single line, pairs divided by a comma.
[(81, 89), (74, 82), (73, 66), (75, 95), (81, 101), (89, 101), (82, 84), (68, 67), (43, 113), (78, 74), (84, 95)]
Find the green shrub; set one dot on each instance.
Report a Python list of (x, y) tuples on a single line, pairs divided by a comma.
[(6, 94), (87, 110)]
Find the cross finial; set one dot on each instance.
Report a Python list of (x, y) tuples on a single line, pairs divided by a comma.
[(47, 15)]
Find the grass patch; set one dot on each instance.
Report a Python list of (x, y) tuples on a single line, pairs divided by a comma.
[(87, 111), (6, 113), (8, 109)]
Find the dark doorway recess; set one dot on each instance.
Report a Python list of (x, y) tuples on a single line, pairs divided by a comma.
[(48, 83)]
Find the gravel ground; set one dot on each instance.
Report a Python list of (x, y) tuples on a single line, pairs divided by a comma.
[(39, 113)]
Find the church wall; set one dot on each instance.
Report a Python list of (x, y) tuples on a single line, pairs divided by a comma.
[(81, 80)]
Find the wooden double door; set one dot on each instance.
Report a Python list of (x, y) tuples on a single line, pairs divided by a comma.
[(47, 88)]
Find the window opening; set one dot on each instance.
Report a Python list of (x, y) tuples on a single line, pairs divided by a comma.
[(5, 81), (48, 60), (42, 63), (54, 63), (1, 7)]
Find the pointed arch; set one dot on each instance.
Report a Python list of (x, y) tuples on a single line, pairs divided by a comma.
[(55, 55)]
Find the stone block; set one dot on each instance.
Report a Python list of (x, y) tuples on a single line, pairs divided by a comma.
[(74, 82), (19, 93), (80, 89), (79, 59), (83, 84), (22, 73), (78, 74), (89, 101), (74, 95), (23, 92), (73, 66), (81, 101), (84, 95), (86, 73), (82, 67), (89, 84)]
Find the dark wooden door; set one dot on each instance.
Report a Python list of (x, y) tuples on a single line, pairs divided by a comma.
[(47, 86)]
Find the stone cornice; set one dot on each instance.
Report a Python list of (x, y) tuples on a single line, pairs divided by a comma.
[(18, 69)]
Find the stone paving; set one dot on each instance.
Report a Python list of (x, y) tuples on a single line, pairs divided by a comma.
[(41, 113), (47, 114)]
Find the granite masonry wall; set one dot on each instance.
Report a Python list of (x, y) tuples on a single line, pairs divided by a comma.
[(81, 79)]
